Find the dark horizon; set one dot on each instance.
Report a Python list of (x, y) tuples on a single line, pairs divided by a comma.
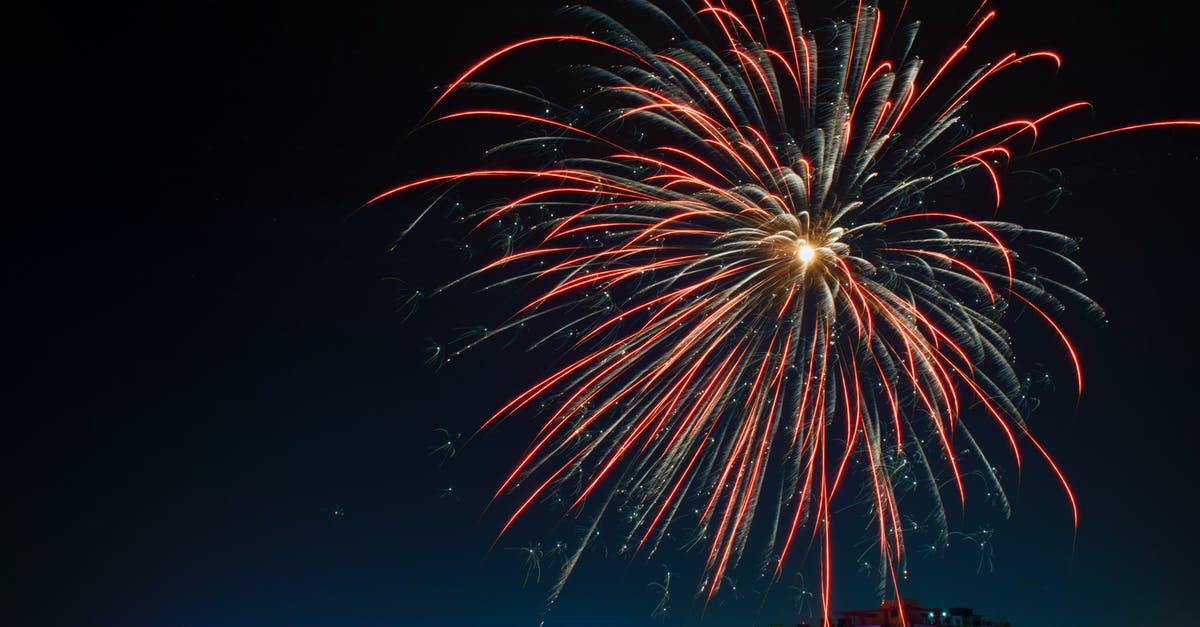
[(222, 419)]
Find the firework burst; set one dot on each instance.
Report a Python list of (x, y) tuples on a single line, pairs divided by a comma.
[(743, 236)]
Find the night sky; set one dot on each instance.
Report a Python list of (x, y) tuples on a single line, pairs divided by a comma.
[(217, 415)]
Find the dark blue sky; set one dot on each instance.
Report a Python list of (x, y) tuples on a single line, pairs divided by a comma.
[(206, 356)]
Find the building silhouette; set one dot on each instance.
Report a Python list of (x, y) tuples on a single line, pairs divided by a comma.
[(910, 613)]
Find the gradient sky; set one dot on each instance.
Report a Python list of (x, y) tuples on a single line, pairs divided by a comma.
[(207, 359)]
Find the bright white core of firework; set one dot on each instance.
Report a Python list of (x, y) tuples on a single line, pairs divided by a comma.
[(806, 253)]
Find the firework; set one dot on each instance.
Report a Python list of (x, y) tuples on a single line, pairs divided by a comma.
[(753, 240)]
